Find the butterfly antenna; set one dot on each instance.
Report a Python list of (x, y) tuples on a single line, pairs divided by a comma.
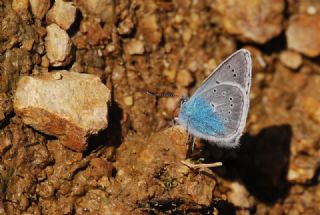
[(165, 94)]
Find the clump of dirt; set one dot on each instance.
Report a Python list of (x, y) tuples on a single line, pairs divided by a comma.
[(140, 49)]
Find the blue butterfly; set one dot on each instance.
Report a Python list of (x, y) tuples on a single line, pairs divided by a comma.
[(218, 110)]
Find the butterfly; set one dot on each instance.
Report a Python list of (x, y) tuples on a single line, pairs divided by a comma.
[(218, 110)]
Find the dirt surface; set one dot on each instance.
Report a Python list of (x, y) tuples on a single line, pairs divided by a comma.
[(137, 47)]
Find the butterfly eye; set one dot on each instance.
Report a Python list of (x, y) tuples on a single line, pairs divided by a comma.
[(229, 112), (234, 75), (214, 90), (226, 119), (230, 98), (232, 70), (217, 82), (231, 105)]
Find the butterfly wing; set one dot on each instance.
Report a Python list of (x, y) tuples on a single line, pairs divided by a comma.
[(218, 110), (236, 69)]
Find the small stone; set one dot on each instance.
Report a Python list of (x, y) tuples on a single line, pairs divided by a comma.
[(128, 100), (21, 7), (57, 76), (102, 9), (39, 7), (170, 74), (255, 20), (184, 78), (45, 61), (133, 47), (27, 44), (291, 59), (238, 195), (311, 106), (302, 169), (149, 29), (187, 35), (58, 46), (62, 13), (303, 35), (126, 26), (312, 10), (71, 107)]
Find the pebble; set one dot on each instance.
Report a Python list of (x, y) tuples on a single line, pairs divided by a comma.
[(125, 27), (133, 47), (39, 8), (184, 78), (302, 169), (102, 9), (149, 29), (312, 108), (170, 74), (254, 20), (303, 34), (27, 44), (128, 100), (291, 59), (21, 8), (71, 107), (62, 13), (58, 46), (238, 195)]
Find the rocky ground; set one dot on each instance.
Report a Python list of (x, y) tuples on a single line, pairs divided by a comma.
[(83, 132)]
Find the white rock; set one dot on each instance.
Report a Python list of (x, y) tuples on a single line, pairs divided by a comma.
[(58, 46), (62, 13), (69, 105), (134, 47), (39, 7)]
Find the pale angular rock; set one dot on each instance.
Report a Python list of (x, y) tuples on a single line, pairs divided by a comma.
[(302, 169), (134, 47), (68, 105), (126, 26), (238, 195), (62, 13), (21, 7), (39, 7), (303, 35), (254, 20), (291, 59), (58, 46), (103, 9)]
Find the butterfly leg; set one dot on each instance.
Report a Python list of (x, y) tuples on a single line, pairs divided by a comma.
[(191, 143)]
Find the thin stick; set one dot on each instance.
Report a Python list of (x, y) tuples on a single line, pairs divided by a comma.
[(202, 165)]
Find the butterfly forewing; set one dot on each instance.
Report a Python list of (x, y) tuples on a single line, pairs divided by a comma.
[(235, 69)]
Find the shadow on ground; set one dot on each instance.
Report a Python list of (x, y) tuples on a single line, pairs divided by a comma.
[(260, 163)]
